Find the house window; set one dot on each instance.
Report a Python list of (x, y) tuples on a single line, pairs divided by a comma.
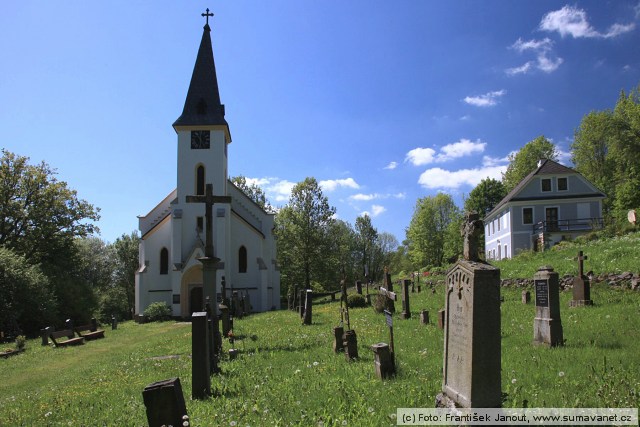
[(200, 180), (499, 221), (493, 227), (562, 184), (527, 216), (506, 253), (164, 261), (546, 184), (242, 259)]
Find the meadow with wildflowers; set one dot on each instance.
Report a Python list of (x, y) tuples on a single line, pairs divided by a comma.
[(287, 374)]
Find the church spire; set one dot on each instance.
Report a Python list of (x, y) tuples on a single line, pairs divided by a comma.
[(202, 106)]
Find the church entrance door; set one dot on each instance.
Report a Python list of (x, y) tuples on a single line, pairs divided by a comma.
[(196, 299)]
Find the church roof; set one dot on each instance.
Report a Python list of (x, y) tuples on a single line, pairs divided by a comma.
[(202, 106)]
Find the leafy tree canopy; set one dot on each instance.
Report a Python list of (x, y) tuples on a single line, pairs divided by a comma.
[(525, 161), (253, 191)]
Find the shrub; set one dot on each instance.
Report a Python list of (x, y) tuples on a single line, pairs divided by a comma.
[(158, 311), (356, 300), (20, 341)]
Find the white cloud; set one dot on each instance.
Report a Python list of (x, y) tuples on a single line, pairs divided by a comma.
[(330, 185), (571, 21), (279, 191), (440, 178), (364, 197), (400, 196), (545, 61), (421, 156), (488, 161), (391, 166), (462, 148), (377, 210), (487, 100)]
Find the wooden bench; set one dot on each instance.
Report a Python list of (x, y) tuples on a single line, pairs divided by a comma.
[(67, 333), (89, 332)]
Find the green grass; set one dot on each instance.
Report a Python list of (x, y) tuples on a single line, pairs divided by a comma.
[(610, 255), (287, 373)]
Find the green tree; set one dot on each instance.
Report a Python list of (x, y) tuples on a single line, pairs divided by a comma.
[(302, 233), (253, 191), (366, 236), (26, 303), (342, 254), (427, 231), (485, 196), (525, 161), (453, 240), (39, 215)]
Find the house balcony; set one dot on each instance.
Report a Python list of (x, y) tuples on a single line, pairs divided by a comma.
[(574, 226)]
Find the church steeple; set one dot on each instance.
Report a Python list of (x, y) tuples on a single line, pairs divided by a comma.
[(202, 106)]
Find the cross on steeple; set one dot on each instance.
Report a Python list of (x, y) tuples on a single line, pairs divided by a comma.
[(207, 15)]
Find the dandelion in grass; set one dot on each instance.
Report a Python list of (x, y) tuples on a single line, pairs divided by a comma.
[(561, 374), (344, 422), (370, 409), (233, 423), (316, 363), (297, 371), (513, 381), (47, 414)]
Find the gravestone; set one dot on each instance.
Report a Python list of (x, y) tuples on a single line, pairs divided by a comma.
[(44, 335), (247, 303), (359, 287), (164, 403), (225, 318), (308, 307), (526, 297), (236, 308), (547, 325), (338, 333), (200, 356), (406, 310), (114, 323), (383, 360), (472, 349), (350, 343), (581, 285), (303, 293), (424, 317), (441, 317)]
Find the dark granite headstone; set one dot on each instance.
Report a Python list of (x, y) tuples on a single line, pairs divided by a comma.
[(114, 323), (44, 334), (225, 318), (359, 287), (164, 403), (350, 343), (547, 325), (406, 310), (235, 305), (424, 317), (338, 345), (303, 293), (200, 357)]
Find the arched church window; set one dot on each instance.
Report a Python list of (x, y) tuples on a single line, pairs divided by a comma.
[(164, 261), (242, 260), (200, 180)]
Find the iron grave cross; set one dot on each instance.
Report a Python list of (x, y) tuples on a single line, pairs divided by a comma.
[(581, 258), (209, 200), (207, 15)]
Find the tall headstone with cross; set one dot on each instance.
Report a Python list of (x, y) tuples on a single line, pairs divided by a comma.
[(308, 308), (472, 350), (581, 285), (388, 285), (209, 261)]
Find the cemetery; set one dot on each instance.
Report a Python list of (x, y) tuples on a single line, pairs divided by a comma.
[(548, 323), (287, 372)]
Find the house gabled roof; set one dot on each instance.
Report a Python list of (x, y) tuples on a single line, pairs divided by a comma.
[(545, 167)]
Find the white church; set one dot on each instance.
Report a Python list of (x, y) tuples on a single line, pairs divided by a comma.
[(173, 236)]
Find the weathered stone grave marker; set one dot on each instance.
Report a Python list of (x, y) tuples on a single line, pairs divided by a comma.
[(349, 339), (164, 403), (406, 310), (581, 285), (472, 351), (547, 325), (114, 323), (359, 287), (303, 293), (526, 297), (441, 318), (424, 317)]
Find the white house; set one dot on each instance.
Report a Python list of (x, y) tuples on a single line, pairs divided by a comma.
[(550, 204), (172, 232)]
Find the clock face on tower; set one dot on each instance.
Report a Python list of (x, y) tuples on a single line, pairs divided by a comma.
[(200, 139)]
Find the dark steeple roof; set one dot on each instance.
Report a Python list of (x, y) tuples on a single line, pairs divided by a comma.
[(202, 106)]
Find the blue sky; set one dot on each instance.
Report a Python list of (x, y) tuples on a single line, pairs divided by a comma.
[(382, 102)]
